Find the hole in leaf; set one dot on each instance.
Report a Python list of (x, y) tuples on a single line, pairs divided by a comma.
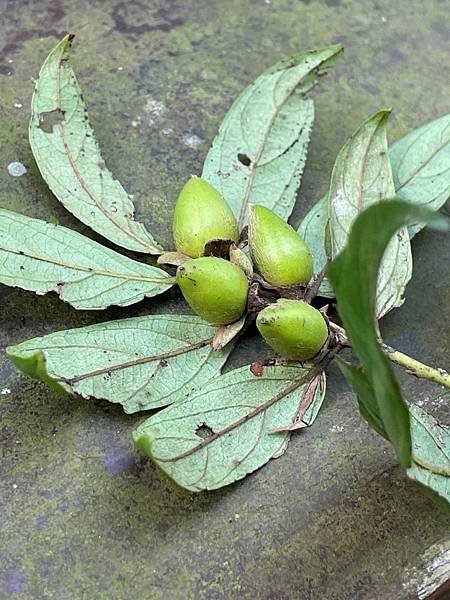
[(47, 120), (204, 431), (244, 159)]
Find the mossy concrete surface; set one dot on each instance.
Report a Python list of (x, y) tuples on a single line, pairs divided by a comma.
[(82, 515)]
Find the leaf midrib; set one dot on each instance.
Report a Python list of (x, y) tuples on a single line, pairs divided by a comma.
[(89, 270)]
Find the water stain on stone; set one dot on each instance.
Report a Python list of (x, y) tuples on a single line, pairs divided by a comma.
[(127, 17), (120, 461), (15, 582)]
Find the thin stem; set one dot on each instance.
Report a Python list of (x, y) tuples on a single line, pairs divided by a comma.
[(411, 365)]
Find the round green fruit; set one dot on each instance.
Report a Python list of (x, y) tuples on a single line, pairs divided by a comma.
[(293, 328), (214, 288), (278, 251), (201, 215)]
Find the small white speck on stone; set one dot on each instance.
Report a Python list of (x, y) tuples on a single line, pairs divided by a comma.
[(337, 429), (155, 109), (5, 391), (16, 169), (120, 68), (18, 105), (10, 61), (167, 131), (15, 486), (134, 123), (384, 19), (237, 516), (191, 140)]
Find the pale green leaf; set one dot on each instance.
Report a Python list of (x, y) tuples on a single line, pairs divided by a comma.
[(226, 430), (260, 151), (41, 257), (362, 177), (430, 452), (421, 166), (314, 229), (69, 159), (141, 363)]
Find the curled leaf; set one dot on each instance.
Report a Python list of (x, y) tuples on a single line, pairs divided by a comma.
[(361, 177), (69, 159)]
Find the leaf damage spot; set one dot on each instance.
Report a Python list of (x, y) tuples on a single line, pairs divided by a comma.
[(244, 159), (48, 120), (204, 431)]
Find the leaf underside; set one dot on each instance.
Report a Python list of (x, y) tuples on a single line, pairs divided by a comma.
[(226, 430), (42, 257), (362, 177), (430, 452), (69, 159), (260, 151), (421, 166), (420, 163), (141, 363)]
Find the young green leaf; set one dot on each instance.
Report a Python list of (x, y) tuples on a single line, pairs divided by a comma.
[(260, 151), (41, 257), (69, 159), (226, 430), (314, 229), (361, 177), (430, 452), (354, 275), (421, 166), (141, 363)]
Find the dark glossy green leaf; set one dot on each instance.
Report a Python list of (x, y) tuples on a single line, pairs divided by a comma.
[(226, 430), (430, 452), (141, 363), (41, 257), (69, 158), (421, 166), (367, 403), (362, 177), (260, 151), (354, 275)]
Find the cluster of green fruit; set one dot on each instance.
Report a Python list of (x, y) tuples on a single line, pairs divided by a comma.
[(217, 289)]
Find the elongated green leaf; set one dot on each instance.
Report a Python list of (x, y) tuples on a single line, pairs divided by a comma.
[(430, 452), (42, 257), (362, 177), (141, 363), (225, 431), (69, 159), (314, 229), (421, 166), (260, 151), (354, 275), (367, 403)]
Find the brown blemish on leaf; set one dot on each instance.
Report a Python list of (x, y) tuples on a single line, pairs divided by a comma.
[(204, 431)]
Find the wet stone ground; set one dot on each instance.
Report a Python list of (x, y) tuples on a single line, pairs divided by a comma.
[(82, 515)]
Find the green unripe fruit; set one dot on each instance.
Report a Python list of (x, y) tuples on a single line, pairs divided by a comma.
[(293, 328), (201, 215), (214, 288), (278, 251)]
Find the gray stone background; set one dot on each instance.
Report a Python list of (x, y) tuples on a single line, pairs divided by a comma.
[(82, 515)]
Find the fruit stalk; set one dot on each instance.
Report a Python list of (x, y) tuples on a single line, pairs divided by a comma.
[(411, 365)]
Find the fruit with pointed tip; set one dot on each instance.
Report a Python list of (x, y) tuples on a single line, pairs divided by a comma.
[(202, 215), (278, 251), (293, 328), (214, 288)]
